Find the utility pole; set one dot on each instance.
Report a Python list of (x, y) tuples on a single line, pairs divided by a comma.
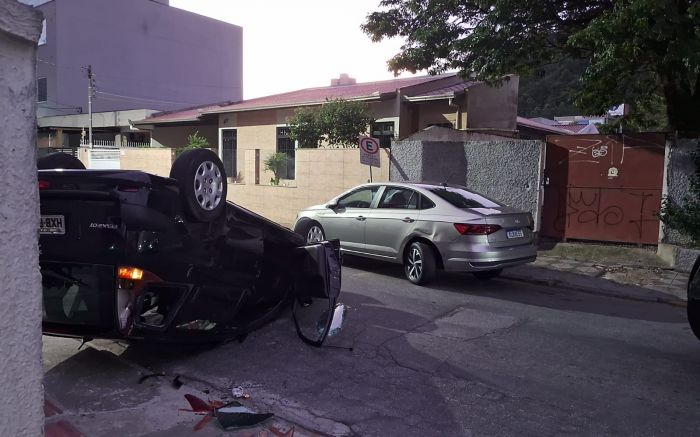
[(91, 86)]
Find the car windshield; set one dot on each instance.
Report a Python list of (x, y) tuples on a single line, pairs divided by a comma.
[(463, 198)]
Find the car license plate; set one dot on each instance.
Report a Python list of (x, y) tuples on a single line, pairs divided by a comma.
[(52, 225), (515, 233)]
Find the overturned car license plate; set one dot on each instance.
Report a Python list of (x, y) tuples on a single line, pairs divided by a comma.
[(52, 224), (515, 233)]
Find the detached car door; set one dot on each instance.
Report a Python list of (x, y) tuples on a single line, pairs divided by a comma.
[(391, 222), (346, 221)]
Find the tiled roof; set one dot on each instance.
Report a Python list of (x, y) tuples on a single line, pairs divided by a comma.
[(309, 96), (526, 122), (444, 91), (188, 114), (575, 128)]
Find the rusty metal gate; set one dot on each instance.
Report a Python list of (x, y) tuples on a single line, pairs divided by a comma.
[(603, 187)]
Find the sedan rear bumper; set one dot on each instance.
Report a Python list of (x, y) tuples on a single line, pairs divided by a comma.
[(489, 259)]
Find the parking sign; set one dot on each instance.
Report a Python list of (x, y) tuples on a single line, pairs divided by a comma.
[(369, 151)]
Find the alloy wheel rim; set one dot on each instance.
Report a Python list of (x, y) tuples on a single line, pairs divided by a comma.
[(208, 185), (314, 235), (415, 264)]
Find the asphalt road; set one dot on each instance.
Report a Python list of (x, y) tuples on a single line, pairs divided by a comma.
[(464, 358)]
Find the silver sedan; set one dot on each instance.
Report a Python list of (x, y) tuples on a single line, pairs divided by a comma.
[(426, 227)]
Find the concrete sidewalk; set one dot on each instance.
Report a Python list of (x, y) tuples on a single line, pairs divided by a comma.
[(91, 392), (612, 270)]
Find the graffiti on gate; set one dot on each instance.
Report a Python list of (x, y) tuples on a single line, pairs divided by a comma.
[(598, 207)]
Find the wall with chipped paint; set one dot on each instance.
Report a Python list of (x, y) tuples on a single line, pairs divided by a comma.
[(678, 172), (507, 170), (21, 403)]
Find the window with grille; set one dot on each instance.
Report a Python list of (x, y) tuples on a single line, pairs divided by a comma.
[(229, 149), (286, 145), (384, 132)]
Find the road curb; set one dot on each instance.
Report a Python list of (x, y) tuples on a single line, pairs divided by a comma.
[(640, 294)]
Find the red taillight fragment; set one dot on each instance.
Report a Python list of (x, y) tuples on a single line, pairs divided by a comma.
[(472, 229), (44, 184)]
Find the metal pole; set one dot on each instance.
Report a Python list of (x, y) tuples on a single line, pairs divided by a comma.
[(370, 173), (90, 103)]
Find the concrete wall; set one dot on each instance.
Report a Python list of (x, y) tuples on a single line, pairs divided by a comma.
[(21, 412), (166, 57), (157, 161), (678, 172), (428, 161), (509, 171), (321, 175)]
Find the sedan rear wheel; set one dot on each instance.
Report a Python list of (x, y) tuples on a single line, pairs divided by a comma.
[(419, 263)]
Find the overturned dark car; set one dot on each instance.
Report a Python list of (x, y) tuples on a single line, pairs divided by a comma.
[(130, 255)]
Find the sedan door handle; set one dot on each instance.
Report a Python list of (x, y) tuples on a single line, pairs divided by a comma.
[(360, 218), (408, 220)]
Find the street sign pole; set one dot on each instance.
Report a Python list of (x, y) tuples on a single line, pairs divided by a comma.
[(369, 153)]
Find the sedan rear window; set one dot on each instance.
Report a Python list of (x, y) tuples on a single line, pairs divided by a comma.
[(463, 198)]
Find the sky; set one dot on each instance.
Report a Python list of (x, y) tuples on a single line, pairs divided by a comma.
[(289, 45)]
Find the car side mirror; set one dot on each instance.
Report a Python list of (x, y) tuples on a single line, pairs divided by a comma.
[(333, 204), (315, 309)]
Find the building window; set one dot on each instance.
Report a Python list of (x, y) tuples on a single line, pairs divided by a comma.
[(383, 131), (41, 91), (286, 145), (229, 150)]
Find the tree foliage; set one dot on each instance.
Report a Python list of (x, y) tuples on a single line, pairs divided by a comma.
[(194, 141), (277, 164), (551, 91), (633, 48), (685, 216), (336, 122)]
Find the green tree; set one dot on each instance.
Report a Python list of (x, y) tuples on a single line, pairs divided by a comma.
[(194, 141), (634, 48), (685, 216), (337, 122), (304, 127), (277, 164)]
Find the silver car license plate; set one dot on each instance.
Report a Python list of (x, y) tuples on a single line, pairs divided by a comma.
[(515, 233), (52, 225)]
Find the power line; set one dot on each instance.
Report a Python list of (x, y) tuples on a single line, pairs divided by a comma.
[(143, 99)]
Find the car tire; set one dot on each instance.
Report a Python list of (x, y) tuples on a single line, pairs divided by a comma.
[(311, 230), (694, 317), (59, 160), (693, 305), (419, 263), (202, 181), (485, 275)]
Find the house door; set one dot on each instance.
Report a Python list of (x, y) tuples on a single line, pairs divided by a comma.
[(229, 149)]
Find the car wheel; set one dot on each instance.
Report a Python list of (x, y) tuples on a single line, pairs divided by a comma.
[(59, 160), (693, 306), (201, 178), (694, 317), (419, 263), (312, 231), (485, 275)]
